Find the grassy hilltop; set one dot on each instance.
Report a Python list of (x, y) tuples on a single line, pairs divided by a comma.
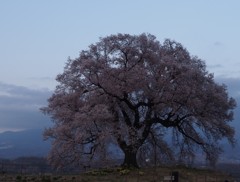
[(126, 175)]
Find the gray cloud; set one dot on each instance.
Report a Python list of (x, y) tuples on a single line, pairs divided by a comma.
[(42, 78), (49, 82), (217, 43), (233, 85), (22, 96), (215, 66), (19, 107)]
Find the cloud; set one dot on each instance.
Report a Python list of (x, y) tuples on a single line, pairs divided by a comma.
[(233, 85), (40, 82), (19, 107), (215, 66), (2, 130), (217, 43), (42, 78), (233, 88), (21, 98), (4, 146)]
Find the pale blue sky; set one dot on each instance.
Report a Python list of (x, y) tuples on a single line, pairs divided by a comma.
[(37, 36)]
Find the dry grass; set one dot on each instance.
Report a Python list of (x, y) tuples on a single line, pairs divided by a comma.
[(125, 175)]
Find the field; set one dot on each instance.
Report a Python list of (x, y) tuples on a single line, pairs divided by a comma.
[(160, 174)]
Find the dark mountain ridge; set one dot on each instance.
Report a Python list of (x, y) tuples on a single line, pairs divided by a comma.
[(23, 143)]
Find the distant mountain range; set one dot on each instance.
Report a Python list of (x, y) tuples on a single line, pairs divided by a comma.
[(23, 143), (30, 143)]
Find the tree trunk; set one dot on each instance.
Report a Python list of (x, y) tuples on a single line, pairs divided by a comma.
[(130, 159)]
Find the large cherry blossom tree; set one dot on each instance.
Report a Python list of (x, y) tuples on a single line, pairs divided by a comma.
[(132, 91)]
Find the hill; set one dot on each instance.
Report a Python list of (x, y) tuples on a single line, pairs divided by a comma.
[(23, 143), (131, 175)]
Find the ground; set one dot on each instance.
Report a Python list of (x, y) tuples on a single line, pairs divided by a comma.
[(125, 175)]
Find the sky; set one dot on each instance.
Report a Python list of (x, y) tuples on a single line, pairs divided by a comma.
[(37, 37)]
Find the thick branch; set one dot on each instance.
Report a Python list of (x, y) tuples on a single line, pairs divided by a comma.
[(176, 123), (126, 118), (181, 130)]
